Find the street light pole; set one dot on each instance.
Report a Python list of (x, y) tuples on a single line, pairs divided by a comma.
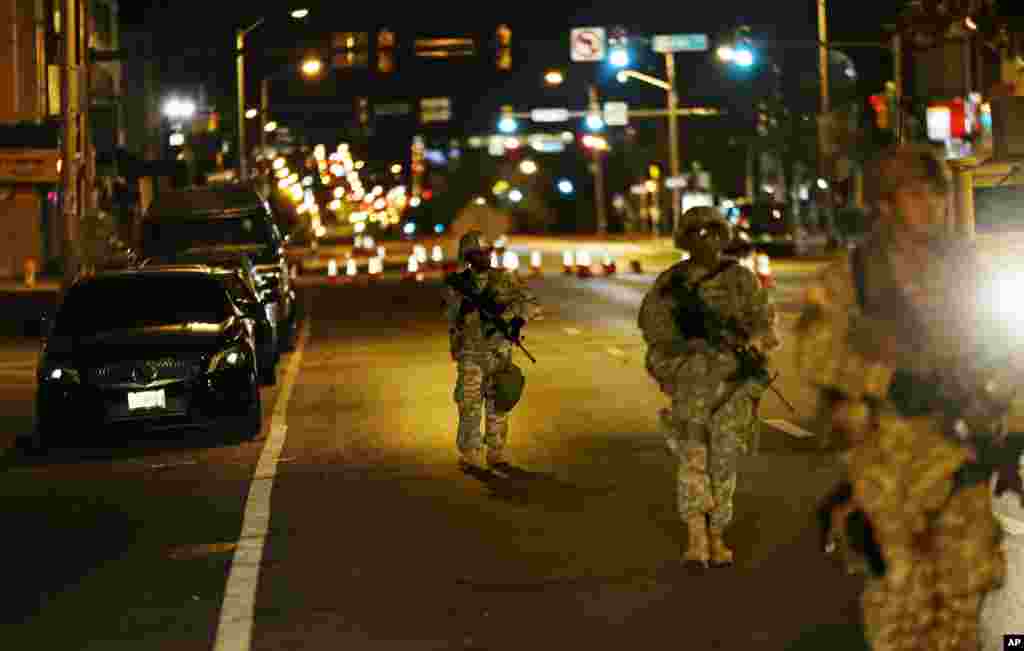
[(598, 169), (243, 167), (823, 166), (264, 112), (673, 135)]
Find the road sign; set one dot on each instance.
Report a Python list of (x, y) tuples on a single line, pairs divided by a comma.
[(549, 115), (675, 182), (616, 114), (667, 43), (588, 44)]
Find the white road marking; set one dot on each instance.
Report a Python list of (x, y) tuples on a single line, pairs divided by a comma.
[(234, 631), (790, 428), (616, 352), (571, 331)]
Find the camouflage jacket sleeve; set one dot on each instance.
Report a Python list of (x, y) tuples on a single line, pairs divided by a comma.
[(839, 348), (509, 291), (451, 303), (757, 312)]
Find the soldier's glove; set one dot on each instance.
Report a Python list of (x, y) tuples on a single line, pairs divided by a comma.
[(516, 326)]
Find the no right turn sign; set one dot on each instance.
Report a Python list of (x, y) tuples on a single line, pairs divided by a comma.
[(588, 44)]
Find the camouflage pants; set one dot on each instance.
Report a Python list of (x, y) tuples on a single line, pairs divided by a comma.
[(708, 427), (474, 395), (956, 563)]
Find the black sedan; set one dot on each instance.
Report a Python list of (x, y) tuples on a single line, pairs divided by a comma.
[(146, 350), (240, 282)]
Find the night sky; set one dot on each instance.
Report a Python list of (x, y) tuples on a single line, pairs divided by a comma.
[(540, 34)]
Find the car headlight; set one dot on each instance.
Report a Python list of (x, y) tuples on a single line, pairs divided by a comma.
[(59, 374), (229, 358)]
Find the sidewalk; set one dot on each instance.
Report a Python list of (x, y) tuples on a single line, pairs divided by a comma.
[(22, 306)]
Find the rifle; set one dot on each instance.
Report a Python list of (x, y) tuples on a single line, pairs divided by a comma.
[(490, 310), (696, 319)]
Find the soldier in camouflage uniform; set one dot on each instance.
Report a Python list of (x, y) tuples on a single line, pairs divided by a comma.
[(714, 412), (479, 356), (917, 382)]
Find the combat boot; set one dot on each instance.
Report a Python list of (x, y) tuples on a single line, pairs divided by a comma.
[(720, 554), (472, 458), (697, 552), (496, 458)]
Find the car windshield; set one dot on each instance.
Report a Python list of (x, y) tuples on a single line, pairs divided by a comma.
[(105, 304), (167, 236)]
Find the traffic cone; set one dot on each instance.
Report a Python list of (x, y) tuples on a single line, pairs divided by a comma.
[(495, 262), (374, 268), (583, 269), (436, 257), (609, 265), (412, 270), (535, 264), (351, 271), (332, 270), (568, 263)]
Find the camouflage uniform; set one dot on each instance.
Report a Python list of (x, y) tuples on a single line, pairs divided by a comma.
[(899, 367), (712, 418), (479, 357)]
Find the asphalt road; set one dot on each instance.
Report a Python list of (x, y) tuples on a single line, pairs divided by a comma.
[(349, 525)]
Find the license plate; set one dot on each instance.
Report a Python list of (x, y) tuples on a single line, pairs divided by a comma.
[(147, 400)]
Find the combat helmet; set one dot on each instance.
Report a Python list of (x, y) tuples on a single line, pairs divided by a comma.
[(471, 241), (699, 215)]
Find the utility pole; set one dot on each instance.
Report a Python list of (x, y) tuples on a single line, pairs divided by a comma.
[(597, 167), (823, 162), (897, 77), (72, 159), (264, 113), (243, 165), (673, 136)]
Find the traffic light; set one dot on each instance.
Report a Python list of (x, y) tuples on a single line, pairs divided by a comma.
[(504, 55), (880, 104), (654, 172), (385, 51), (618, 43)]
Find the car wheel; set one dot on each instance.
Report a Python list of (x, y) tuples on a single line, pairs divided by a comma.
[(252, 421), (39, 442), (268, 372), (289, 334)]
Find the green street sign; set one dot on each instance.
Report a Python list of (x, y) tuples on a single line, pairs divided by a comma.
[(667, 43)]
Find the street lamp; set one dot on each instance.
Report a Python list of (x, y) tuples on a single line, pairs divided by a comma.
[(554, 77), (252, 113), (528, 167), (240, 34), (619, 57), (508, 125), (312, 67), (271, 127), (179, 109)]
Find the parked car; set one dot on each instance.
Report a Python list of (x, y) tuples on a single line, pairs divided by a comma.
[(239, 279), (229, 218), (145, 350)]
